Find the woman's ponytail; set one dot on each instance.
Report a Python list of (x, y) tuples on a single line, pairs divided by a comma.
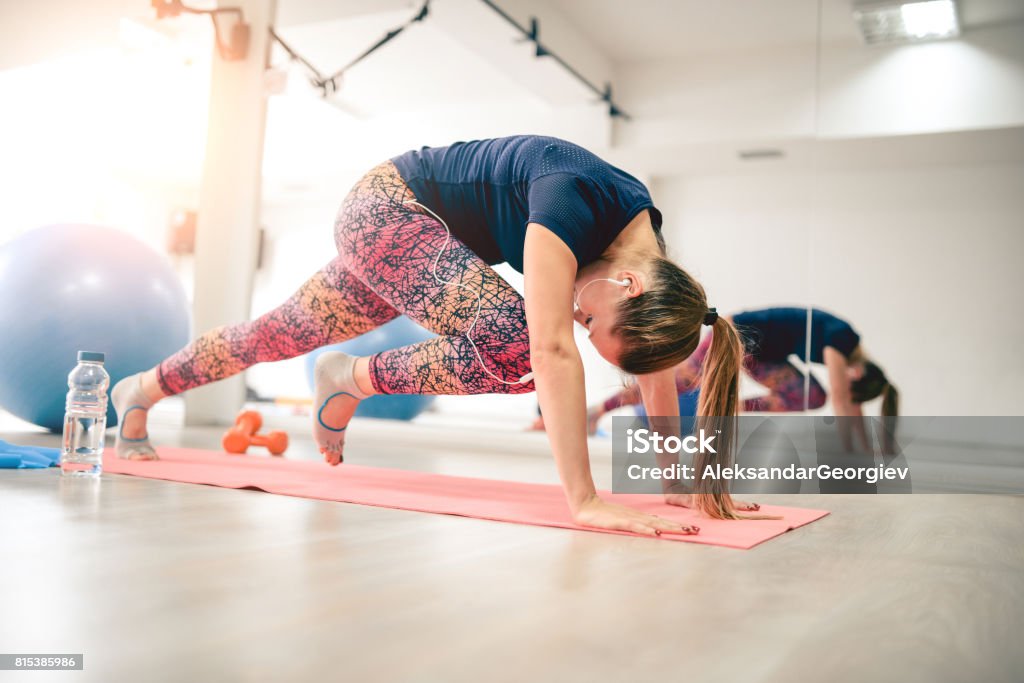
[(890, 401), (890, 411), (716, 414)]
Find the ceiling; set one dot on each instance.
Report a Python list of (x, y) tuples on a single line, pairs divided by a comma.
[(446, 87), (330, 32), (667, 29), (297, 12), (625, 30), (422, 53)]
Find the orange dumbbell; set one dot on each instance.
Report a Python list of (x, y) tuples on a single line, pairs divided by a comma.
[(244, 434)]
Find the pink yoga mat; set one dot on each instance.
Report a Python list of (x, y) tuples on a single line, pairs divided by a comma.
[(503, 501)]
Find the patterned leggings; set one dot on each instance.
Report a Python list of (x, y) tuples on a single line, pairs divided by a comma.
[(384, 268), (785, 380)]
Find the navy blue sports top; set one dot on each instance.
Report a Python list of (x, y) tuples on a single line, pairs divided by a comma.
[(487, 191), (772, 334)]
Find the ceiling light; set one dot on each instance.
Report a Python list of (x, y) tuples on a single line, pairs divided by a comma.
[(902, 22)]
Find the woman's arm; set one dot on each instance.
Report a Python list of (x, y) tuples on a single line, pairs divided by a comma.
[(628, 396), (684, 378), (849, 413), (550, 271), (661, 401), (660, 393), (838, 380)]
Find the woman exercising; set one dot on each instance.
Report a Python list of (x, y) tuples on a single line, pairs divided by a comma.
[(416, 236), (771, 336)]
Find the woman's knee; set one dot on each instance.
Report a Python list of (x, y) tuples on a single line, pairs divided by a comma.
[(503, 332), (510, 356)]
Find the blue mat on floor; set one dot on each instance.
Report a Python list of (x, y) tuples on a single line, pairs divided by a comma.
[(13, 456)]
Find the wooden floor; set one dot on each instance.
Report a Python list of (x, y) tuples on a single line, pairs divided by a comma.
[(157, 581)]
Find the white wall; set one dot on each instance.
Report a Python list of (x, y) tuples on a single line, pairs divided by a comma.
[(925, 262)]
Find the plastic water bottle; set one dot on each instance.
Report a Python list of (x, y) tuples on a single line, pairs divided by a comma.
[(85, 418)]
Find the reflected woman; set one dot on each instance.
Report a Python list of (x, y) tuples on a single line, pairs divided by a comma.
[(771, 336)]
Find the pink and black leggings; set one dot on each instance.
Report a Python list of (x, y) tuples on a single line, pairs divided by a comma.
[(384, 268)]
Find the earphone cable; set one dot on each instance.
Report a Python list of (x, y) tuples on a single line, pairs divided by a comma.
[(479, 297)]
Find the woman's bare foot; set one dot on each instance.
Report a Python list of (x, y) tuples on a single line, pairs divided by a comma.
[(336, 395), (132, 407)]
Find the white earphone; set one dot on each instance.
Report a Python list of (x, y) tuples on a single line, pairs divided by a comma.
[(626, 282)]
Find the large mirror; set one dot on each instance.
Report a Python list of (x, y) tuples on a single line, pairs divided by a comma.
[(917, 207)]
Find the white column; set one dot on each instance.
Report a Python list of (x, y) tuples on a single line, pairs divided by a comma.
[(229, 205)]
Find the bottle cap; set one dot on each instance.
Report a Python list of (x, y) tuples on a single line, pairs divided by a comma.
[(94, 356)]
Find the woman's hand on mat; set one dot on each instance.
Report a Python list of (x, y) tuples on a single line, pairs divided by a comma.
[(684, 500), (604, 515)]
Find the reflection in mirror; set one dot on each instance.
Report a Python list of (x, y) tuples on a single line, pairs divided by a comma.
[(915, 239)]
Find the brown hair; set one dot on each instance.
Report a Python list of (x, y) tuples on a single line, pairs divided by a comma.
[(660, 329)]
